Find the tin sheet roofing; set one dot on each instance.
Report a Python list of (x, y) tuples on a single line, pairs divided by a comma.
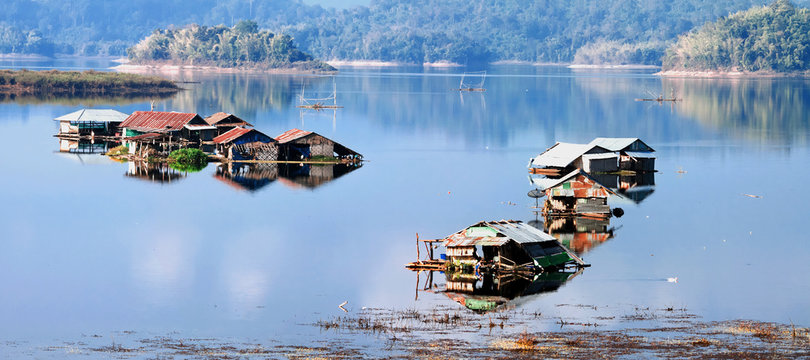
[(575, 173), (616, 144), (96, 115), (560, 155), (507, 230), (158, 120), (291, 135), (231, 135)]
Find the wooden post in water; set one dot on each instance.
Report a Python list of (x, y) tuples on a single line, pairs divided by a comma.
[(417, 247)]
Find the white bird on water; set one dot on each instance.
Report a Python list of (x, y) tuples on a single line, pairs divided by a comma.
[(672, 279)]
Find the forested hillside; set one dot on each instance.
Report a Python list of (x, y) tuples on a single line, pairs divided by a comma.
[(772, 38), (415, 31)]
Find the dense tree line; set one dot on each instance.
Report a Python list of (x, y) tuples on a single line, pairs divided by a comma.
[(241, 45), (415, 31), (768, 38)]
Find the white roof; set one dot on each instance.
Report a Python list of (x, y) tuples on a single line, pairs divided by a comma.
[(560, 155), (97, 115), (614, 144)]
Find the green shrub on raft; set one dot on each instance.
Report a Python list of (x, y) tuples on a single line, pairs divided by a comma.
[(190, 160)]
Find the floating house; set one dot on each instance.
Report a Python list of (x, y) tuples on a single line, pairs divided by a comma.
[(246, 144), (507, 245), (90, 122), (166, 131), (634, 154), (187, 126), (224, 122), (298, 144), (564, 157), (577, 193)]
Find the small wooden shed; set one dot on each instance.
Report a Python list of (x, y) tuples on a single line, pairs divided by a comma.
[(577, 193), (507, 245), (246, 144), (224, 122), (296, 144), (633, 153), (96, 122)]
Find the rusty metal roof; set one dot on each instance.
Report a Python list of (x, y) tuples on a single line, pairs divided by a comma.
[(158, 120), (231, 135), (217, 119), (604, 189), (291, 135)]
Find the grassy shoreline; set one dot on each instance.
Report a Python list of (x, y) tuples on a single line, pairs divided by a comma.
[(55, 82)]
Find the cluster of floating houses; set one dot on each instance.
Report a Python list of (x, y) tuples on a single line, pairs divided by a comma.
[(491, 263), (221, 134)]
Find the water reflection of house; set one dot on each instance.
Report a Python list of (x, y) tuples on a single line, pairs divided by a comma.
[(577, 193), (633, 188), (490, 291), (579, 233), (298, 144), (633, 153), (506, 245), (224, 122), (154, 172), (250, 177), (79, 146), (90, 122), (246, 144), (311, 176)]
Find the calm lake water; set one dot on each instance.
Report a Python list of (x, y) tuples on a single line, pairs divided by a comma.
[(85, 249)]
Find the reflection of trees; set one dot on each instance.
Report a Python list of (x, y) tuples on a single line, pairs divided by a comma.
[(763, 110), (241, 94)]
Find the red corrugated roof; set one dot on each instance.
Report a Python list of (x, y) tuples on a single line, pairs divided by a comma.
[(291, 135), (157, 120), (231, 135)]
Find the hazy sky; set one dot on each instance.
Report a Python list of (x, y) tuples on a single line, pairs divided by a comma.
[(342, 4)]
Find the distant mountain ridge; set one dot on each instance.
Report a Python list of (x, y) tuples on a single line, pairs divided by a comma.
[(461, 31)]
